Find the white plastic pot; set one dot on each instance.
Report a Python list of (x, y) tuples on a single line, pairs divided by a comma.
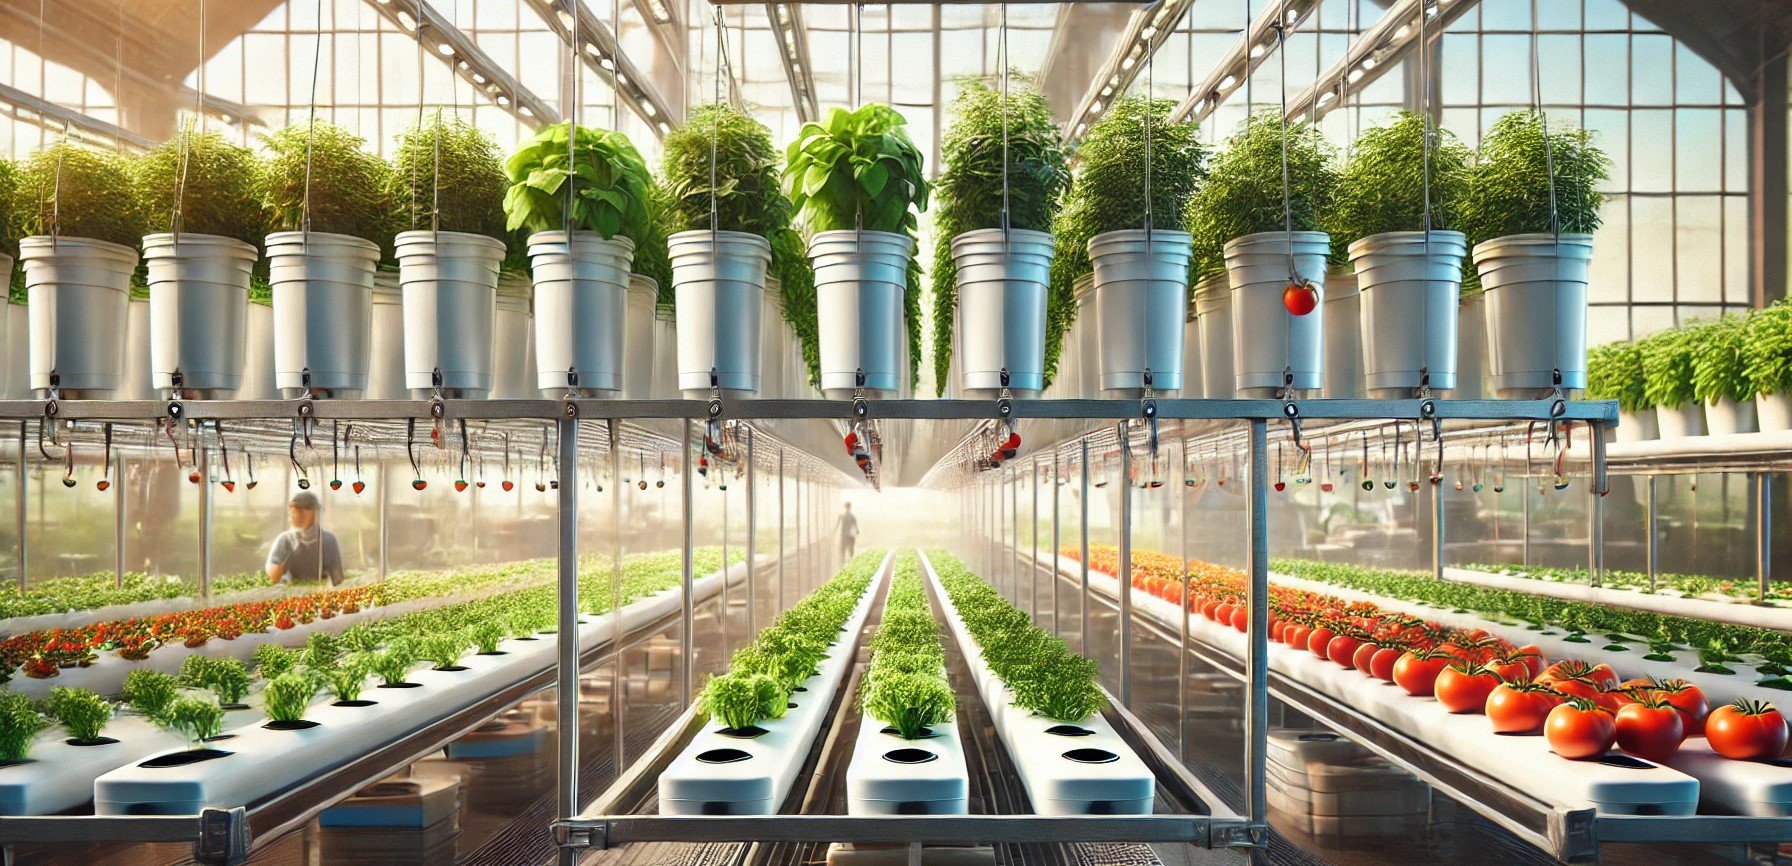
[(1471, 348), (1191, 355), (1343, 336), (1088, 338), (1675, 422), (79, 292), (1726, 416), (774, 337), (258, 355), (860, 282), (1271, 347), (198, 311), (137, 385), (323, 312), (665, 355), (1637, 426), (1003, 279), (512, 361), (1411, 285), (718, 281), (639, 342), (889, 775), (450, 286), (1213, 318), (385, 368), (17, 381), (1774, 412), (1536, 295), (581, 305), (1141, 289)]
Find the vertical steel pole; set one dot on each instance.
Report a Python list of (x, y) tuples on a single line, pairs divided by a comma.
[(752, 542), (1652, 546), (618, 660), (1524, 493), (1082, 617), (19, 506), (205, 519), (385, 522), (1256, 704), (721, 472), (687, 621), (1763, 534), (1033, 530), (1596, 508), (1182, 672), (1437, 530), (1125, 575), (1057, 543), (567, 634), (781, 529), (120, 520), (1014, 535)]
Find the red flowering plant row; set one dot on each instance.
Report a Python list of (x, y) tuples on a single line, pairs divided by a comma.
[(41, 654), (1582, 709)]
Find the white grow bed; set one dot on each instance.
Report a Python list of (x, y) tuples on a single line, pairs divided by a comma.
[(1068, 769), (717, 774), (889, 775)]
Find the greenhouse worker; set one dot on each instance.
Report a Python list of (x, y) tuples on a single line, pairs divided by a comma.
[(305, 551), (849, 532)]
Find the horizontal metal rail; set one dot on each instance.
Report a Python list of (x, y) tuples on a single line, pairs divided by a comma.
[(611, 831)]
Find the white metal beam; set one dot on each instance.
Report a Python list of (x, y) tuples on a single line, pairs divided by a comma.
[(59, 116), (1255, 46), (1147, 30), (786, 21), (602, 52), (1381, 47), (454, 47)]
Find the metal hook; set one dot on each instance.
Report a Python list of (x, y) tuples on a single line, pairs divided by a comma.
[(292, 453)]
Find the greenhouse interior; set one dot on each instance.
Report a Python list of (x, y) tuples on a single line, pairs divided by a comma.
[(527, 432)]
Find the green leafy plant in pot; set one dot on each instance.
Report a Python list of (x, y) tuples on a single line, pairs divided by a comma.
[(1406, 252), (1720, 376), (1273, 247), (1141, 279), (1072, 228), (1001, 151), (451, 186), (79, 226), (586, 199), (721, 172), (857, 183), (1769, 354), (1668, 382), (1615, 371), (332, 218), (197, 193), (1534, 267)]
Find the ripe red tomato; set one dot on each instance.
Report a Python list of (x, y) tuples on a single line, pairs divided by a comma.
[(1381, 666), (1208, 607), (1579, 729), (1417, 674), (1567, 669), (1746, 731), (1276, 629), (1300, 300), (1510, 669), (1689, 700), (1611, 700), (1363, 656), (1342, 650), (1575, 687), (1241, 618), (1296, 636), (1533, 657), (1222, 614), (1319, 640), (1605, 676), (1463, 688), (1650, 729), (1521, 708)]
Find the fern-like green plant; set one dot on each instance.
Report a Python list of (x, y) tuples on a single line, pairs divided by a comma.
[(1615, 372), (218, 197), (1720, 362), (272, 660), (195, 719), (287, 696), (82, 712), (796, 281), (486, 636), (1111, 180), (149, 692), (20, 723), (392, 665), (1381, 190), (1243, 192), (350, 191), (444, 649), (348, 677), (322, 649), (448, 169), (9, 227), (76, 191), (1509, 191), (225, 676), (1071, 231), (1768, 348), (746, 193)]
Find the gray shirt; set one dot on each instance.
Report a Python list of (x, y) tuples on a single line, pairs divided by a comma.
[(302, 561), (849, 525)]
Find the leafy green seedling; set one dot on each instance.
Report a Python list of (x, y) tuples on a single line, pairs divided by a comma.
[(272, 660), (82, 712), (195, 719), (486, 636), (20, 723), (149, 692), (287, 696), (733, 699)]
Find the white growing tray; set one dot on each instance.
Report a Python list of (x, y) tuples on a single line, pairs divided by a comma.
[(876, 785), (1056, 784), (758, 783), (264, 762)]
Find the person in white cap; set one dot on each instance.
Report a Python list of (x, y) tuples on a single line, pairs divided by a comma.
[(306, 551)]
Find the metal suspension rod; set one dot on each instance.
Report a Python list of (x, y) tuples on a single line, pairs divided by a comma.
[(1125, 575), (688, 615), (567, 631), (1256, 705)]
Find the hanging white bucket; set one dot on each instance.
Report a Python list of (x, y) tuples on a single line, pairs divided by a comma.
[(198, 310), (1002, 286), (1471, 349), (1637, 426), (1088, 338), (1725, 416), (79, 292), (860, 281), (1774, 412), (137, 383), (15, 380), (1271, 347), (1191, 356), (718, 281), (1141, 288), (1343, 335), (511, 379), (774, 334), (323, 312), (1213, 319), (450, 286), (1676, 422), (638, 343), (580, 311), (258, 355), (1410, 309), (385, 368), (665, 356), (1067, 382), (1536, 293)]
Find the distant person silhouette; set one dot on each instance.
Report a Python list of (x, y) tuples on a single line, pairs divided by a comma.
[(849, 533)]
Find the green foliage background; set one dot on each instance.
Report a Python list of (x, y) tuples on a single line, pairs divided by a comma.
[(220, 190), (1509, 190), (747, 196), (351, 189), (1243, 193), (470, 197), (1381, 188), (93, 200)]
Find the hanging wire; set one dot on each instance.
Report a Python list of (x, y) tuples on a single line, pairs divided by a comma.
[(572, 115), (311, 124), (194, 128), (1004, 72), (1549, 164), (417, 9), (1281, 28)]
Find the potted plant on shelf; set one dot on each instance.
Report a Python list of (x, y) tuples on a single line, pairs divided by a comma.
[(856, 182), (197, 193), (1274, 250), (1720, 376), (1668, 382), (1615, 372), (721, 176), (79, 227), (1532, 264), (1139, 250), (1768, 348), (1006, 170), (1069, 311), (83, 714), (584, 198), (451, 185), (14, 351), (1405, 252), (328, 234)]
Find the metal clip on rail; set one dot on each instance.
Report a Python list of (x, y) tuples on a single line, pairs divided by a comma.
[(437, 408), (712, 431), (1428, 412), (1148, 412)]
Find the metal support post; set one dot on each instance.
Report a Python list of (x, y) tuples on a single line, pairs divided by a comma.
[(567, 634), (1182, 672), (1014, 535), (1596, 508), (1082, 617), (1437, 531), (385, 522), (781, 531), (1652, 545), (1033, 530), (1125, 575), (120, 520), (1524, 493), (802, 546), (618, 658), (1057, 626), (752, 542), (19, 500), (1256, 702), (204, 467), (1763, 534), (687, 621), (726, 614)]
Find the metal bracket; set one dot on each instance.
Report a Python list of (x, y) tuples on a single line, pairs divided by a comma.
[(1573, 834), (595, 837), (223, 837), (1240, 835)]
